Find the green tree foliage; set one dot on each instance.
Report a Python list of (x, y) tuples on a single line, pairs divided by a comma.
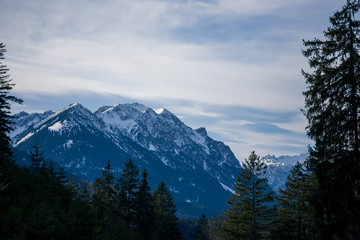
[(144, 218), (167, 223), (5, 105), (104, 203), (296, 215), (128, 187), (332, 107), (36, 156), (104, 187), (251, 207), (202, 228), (37, 205)]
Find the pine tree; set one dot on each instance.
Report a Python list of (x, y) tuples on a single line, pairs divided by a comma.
[(295, 213), (104, 187), (332, 107), (144, 210), (104, 200), (251, 206), (36, 156), (201, 231), (128, 186), (6, 120), (167, 223)]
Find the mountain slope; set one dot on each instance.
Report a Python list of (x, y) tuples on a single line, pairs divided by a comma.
[(278, 168), (198, 170)]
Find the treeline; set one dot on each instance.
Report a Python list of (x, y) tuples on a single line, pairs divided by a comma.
[(256, 212), (40, 203)]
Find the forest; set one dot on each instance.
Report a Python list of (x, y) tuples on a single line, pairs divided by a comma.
[(321, 198), (40, 202)]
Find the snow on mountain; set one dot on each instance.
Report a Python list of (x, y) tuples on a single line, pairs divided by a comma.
[(198, 170), (169, 138), (278, 168), (25, 120)]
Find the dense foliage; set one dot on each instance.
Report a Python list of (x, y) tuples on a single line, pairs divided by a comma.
[(296, 215), (39, 203), (251, 211), (332, 107), (5, 104)]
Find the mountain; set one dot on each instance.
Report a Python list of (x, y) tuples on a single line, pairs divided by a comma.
[(278, 168), (199, 171)]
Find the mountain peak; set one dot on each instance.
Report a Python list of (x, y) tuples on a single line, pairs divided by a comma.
[(73, 106), (21, 114), (189, 160), (202, 131), (137, 106), (159, 110)]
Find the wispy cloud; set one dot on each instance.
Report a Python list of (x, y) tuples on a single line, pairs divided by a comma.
[(232, 66)]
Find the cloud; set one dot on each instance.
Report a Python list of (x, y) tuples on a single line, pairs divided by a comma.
[(130, 48), (167, 70), (232, 66)]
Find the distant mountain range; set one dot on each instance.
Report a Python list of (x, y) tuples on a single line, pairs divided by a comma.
[(278, 168), (199, 171)]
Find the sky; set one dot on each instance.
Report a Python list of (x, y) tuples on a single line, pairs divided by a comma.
[(231, 66)]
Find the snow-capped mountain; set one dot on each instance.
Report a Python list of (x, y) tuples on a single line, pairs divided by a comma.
[(278, 168), (199, 171)]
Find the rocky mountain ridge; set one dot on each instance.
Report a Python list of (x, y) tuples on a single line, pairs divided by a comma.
[(278, 168), (199, 171)]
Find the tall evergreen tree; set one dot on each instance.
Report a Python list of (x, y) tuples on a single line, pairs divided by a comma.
[(251, 206), (128, 186), (104, 200), (144, 218), (332, 107), (104, 187), (36, 156), (167, 223), (201, 231), (295, 213), (5, 105)]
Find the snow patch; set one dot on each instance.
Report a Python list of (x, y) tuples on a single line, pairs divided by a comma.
[(56, 127), (174, 190), (159, 110), (201, 140), (116, 122), (192, 201), (108, 109), (24, 139), (68, 144), (205, 166), (227, 188), (165, 161), (152, 147)]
